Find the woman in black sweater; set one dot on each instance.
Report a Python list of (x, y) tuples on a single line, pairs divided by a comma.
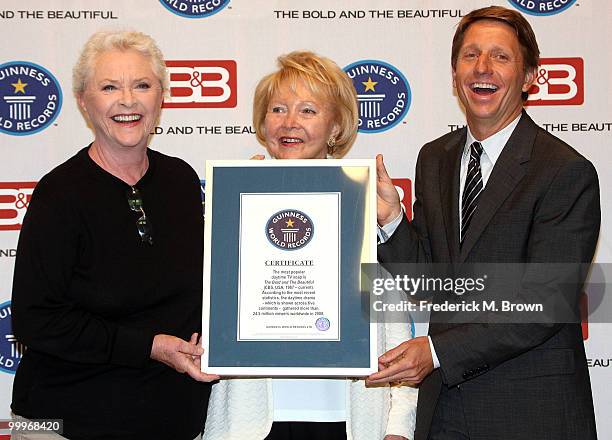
[(107, 289)]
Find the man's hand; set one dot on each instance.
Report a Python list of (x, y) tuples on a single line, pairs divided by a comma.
[(181, 355), (410, 361), (387, 199)]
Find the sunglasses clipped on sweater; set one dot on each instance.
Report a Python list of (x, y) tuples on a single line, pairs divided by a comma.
[(145, 229)]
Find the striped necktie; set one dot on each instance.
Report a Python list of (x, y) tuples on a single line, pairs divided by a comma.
[(472, 189)]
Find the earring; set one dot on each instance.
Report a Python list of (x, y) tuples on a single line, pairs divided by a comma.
[(331, 145)]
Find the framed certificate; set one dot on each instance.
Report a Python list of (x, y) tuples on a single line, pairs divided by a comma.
[(284, 244)]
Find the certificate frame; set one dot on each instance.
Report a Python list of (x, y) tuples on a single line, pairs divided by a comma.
[(354, 352)]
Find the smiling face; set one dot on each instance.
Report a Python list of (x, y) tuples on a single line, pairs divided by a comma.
[(122, 99), (298, 125), (489, 77)]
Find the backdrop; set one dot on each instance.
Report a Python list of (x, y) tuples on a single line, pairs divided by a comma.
[(397, 53)]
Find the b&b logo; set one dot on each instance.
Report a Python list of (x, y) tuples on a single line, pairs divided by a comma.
[(30, 99), (202, 84), (383, 93), (542, 7), (194, 8), (14, 200), (560, 81), (584, 315), (11, 351), (404, 189), (5, 430)]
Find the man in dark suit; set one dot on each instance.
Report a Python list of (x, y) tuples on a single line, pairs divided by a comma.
[(501, 191)]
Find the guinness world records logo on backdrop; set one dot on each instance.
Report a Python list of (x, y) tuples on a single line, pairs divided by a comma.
[(194, 8), (11, 350), (542, 7), (383, 93), (30, 98)]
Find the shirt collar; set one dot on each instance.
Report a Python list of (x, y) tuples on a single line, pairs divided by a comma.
[(493, 145)]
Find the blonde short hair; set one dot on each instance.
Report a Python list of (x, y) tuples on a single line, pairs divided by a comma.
[(325, 80), (107, 40)]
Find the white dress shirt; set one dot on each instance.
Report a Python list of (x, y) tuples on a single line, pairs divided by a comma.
[(492, 148)]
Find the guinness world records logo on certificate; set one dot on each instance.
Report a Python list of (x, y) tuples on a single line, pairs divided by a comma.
[(289, 229)]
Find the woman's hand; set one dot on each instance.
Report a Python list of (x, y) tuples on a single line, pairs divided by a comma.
[(181, 355), (395, 437), (387, 199), (258, 157)]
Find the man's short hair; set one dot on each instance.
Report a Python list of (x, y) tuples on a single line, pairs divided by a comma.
[(522, 28)]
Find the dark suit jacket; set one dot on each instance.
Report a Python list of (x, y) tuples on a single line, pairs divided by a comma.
[(540, 204)]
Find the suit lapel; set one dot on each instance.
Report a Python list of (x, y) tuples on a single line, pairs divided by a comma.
[(506, 174), (450, 166)]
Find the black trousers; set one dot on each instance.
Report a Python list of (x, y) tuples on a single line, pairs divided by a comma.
[(307, 431)]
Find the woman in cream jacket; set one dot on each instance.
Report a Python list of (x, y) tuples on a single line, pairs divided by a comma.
[(307, 109)]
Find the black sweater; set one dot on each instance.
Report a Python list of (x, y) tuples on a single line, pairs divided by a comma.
[(89, 296)]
